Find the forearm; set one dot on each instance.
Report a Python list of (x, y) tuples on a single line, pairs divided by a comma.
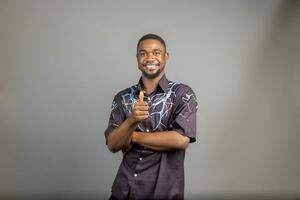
[(161, 141), (120, 136)]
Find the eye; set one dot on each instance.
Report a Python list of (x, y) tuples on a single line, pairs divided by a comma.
[(142, 54), (156, 53)]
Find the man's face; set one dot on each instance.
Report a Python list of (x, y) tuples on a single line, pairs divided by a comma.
[(151, 58)]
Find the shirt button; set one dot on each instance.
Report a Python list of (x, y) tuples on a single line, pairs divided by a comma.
[(135, 175), (141, 158), (147, 130)]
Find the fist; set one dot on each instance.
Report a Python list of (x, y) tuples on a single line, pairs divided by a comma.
[(141, 109)]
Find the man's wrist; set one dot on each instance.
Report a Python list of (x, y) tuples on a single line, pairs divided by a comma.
[(131, 121)]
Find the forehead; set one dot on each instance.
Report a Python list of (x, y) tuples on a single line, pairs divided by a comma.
[(150, 44)]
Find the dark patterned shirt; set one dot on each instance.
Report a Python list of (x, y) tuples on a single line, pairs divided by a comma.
[(146, 173)]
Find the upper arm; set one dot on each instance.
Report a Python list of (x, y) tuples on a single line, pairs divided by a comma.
[(116, 117)]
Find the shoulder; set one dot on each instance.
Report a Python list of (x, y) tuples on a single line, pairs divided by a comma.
[(185, 97), (125, 92), (181, 89)]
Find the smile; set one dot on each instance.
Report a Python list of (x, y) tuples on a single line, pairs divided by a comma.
[(150, 65)]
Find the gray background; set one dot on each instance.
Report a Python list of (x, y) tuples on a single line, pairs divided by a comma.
[(63, 61)]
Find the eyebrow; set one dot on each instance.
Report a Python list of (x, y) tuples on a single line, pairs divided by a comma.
[(143, 50)]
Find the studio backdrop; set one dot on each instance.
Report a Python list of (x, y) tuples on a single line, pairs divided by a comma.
[(62, 62)]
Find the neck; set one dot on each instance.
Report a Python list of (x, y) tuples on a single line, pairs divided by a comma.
[(151, 84)]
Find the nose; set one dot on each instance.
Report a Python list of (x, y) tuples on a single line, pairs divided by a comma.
[(150, 57)]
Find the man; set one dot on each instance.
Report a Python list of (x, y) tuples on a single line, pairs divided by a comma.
[(153, 123)]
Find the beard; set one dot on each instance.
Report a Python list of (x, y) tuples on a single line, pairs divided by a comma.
[(151, 76), (148, 72)]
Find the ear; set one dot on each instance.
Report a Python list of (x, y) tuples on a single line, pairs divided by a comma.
[(167, 55)]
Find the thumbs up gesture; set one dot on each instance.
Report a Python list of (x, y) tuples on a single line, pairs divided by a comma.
[(141, 109), (140, 113)]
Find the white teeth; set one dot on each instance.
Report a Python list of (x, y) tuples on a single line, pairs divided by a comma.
[(151, 67)]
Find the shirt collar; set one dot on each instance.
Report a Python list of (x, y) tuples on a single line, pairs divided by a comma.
[(162, 84)]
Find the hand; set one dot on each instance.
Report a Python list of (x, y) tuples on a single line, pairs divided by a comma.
[(128, 146), (141, 110), (134, 138)]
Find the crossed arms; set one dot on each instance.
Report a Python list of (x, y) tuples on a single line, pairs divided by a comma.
[(125, 135)]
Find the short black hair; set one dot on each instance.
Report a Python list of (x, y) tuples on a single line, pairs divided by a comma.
[(154, 37)]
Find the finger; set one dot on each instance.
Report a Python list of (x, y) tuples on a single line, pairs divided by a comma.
[(140, 113), (141, 96), (142, 103), (142, 108), (142, 117)]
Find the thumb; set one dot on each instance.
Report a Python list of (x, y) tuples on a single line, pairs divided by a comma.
[(141, 96)]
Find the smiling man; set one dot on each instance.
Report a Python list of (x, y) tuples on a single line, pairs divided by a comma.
[(153, 123)]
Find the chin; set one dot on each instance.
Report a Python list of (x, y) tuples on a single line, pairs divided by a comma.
[(152, 75)]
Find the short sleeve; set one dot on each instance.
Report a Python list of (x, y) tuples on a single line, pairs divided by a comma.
[(116, 116), (184, 119)]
